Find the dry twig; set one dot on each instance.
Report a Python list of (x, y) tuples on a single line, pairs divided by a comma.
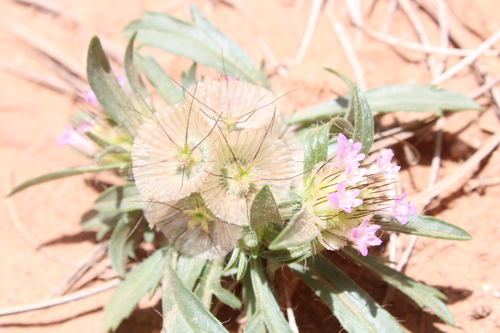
[(85, 264), (419, 29), (350, 54), (311, 26), (61, 300), (469, 59), (44, 80), (425, 48), (458, 176)]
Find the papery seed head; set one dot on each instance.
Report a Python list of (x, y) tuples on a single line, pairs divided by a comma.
[(172, 153), (192, 228), (246, 161), (236, 105)]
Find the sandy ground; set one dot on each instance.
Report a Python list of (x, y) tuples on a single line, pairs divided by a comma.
[(40, 235)]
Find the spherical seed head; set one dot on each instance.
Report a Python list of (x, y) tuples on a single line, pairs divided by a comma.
[(172, 153), (246, 161), (235, 105), (192, 229)]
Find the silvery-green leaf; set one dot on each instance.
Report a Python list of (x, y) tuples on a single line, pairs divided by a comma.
[(189, 78), (316, 146), (161, 81), (138, 88), (66, 173), (423, 295), (289, 255), (314, 113), (210, 284), (423, 226), (363, 122), (132, 289), (109, 92), (199, 41), (123, 198), (417, 97), (403, 97), (182, 310), (267, 309), (104, 222), (113, 149), (117, 249), (242, 265), (353, 307)]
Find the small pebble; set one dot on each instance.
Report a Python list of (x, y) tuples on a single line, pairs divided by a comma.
[(481, 312)]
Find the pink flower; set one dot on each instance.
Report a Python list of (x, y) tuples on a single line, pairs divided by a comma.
[(345, 200), (347, 153), (77, 139), (365, 234), (384, 163), (355, 176), (89, 97), (401, 209)]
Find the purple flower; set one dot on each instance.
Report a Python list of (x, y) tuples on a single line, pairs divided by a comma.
[(345, 199), (401, 209), (365, 234), (384, 163), (347, 153)]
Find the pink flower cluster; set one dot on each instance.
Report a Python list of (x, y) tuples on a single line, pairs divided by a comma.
[(350, 197)]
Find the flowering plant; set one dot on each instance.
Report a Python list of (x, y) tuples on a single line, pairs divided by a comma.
[(230, 191)]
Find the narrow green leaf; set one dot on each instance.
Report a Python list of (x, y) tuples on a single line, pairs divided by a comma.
[(161, 81), (242, 265), (113, 149), (132, 289), (410, 97), (138, 88), (210, 285), (66, 173), (117, 250), (227, 297), (423, 226), (204, 288), (104, 222), (187, 306), (299, 231), (108, 91), (417, 97), (319, 112), (266, 305), (255, 324), (98, 140), (340, 125), (423, 295), (149, 234), (199, 41), (289, 255), (363, 122), (189, 78), (351, 86), (316, 146), (123, 198), (264, 209), (189, 269), (353, 307)]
